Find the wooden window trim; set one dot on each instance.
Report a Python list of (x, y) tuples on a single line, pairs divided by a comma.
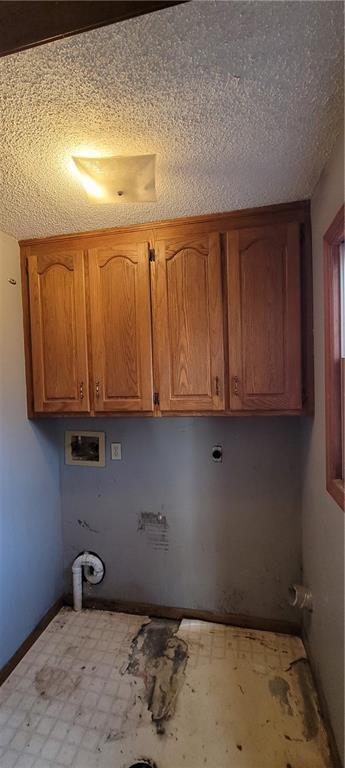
[(333, 391)]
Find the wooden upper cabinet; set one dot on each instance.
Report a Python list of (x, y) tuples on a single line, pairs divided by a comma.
[(264, 311), (121, 327), (188, 314), (58, 331), (210, 320)]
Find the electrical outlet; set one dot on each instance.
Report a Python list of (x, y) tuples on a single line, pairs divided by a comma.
[(116, 453)]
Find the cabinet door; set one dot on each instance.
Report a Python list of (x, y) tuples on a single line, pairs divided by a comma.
[(189, 323), (264, 318), (58, 331), (121, 327)]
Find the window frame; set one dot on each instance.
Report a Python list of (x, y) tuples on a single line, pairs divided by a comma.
[(332, 241)]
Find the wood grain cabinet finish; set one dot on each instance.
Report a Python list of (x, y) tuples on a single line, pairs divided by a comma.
[(189, 323), (58, 331), (120, 312), (264, 316), (205, 315)]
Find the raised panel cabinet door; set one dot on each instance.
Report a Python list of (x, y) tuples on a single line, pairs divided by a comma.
[(189, 324), (264, 312), (121, 327), (58, 331)]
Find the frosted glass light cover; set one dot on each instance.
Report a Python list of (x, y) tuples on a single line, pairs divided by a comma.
[(118, 179)]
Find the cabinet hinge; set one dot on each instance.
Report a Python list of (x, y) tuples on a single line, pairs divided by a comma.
[(156, 398), (152, 254)]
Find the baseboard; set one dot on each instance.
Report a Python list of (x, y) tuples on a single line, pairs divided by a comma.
[(169, 612), (324, 711), (6, 670), (149, 609)]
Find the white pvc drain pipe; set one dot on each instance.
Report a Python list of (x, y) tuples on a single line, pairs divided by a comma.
[(93, 572)]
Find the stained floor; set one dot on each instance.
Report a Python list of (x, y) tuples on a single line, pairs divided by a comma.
[(104, 690)]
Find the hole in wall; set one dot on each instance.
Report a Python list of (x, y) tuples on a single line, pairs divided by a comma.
[(217, 453), (143, 764), (91, 571)]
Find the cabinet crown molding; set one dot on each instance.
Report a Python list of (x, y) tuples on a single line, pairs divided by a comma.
[(222, 222)]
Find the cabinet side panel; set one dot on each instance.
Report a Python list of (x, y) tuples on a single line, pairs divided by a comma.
[(24, 251), (293, 329)]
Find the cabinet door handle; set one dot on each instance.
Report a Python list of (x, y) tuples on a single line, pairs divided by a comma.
[(217, 385), (235, 385), (81, 390), (97, 390)]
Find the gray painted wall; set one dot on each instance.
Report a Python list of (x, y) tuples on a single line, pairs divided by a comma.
[(323, 520), (233, 541), (30, 514)]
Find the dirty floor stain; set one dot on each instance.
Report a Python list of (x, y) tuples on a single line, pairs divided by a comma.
[(310, 709), (280, 688), (160, 658), (52, 682), (104, 690)]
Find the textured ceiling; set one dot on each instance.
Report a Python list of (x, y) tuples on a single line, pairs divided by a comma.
[(241, 102)]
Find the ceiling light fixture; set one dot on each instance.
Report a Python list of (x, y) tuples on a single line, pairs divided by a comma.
[(118, 179)]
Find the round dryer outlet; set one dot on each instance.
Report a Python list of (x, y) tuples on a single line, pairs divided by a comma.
[(143, 764)]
